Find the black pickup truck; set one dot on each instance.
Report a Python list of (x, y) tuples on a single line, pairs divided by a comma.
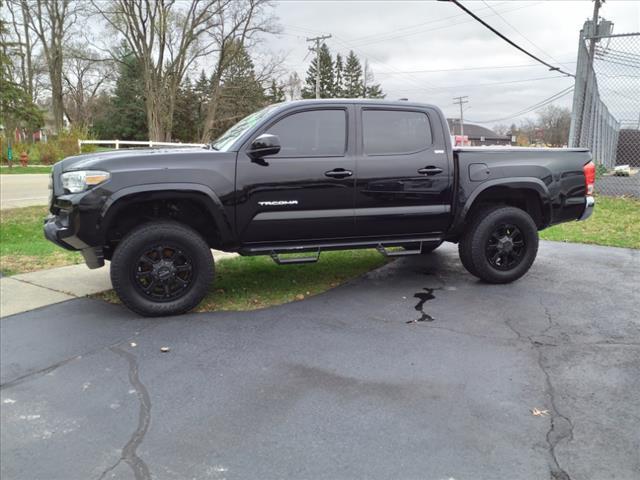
[(309, 176)]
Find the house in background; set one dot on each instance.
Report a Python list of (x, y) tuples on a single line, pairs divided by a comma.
[(477, 136)]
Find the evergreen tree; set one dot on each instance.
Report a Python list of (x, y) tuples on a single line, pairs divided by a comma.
[(353, 80), (326, 75), (16, 105), (202, 89), (241, 93), (125, 116), (338, 77), (185, 115), (276, 92)]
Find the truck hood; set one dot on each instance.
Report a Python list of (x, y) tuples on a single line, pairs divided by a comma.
[(131, 158)]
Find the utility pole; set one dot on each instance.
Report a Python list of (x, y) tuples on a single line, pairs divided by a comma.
[(460, 101), (316, 49), (592, 42), (592, 50)]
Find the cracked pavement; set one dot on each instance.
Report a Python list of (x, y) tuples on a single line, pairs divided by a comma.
[(340, 386)]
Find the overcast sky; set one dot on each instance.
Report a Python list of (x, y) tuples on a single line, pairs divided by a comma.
[(400, 37)]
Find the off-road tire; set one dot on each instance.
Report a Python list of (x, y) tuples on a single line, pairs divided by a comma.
[(125, 261), (473, 245)]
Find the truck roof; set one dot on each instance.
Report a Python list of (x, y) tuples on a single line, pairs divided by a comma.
[(359, 101)]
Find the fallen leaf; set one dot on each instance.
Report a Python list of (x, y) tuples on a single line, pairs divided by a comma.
[(539, 413), (133, 344), (164, 349), (300, 297)]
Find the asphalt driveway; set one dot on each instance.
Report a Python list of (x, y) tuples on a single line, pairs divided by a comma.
[(340, 386)]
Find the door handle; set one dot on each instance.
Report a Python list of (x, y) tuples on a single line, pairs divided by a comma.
[(430, 170), (338, 173)]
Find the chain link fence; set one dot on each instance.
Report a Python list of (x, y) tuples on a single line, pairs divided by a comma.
[(606, 108)]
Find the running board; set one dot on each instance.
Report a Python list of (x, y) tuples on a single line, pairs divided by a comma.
[(275, 256), (398, 253)]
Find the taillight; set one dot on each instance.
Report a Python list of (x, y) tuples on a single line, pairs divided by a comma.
[(589, 177)]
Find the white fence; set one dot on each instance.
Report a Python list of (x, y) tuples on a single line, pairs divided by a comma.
[(149, 143)]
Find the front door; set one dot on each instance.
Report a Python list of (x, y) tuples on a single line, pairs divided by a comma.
[(404, 179), (305, 192)]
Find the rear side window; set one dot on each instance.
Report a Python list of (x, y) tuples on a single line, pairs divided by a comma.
[(316, 133), (387, 132)]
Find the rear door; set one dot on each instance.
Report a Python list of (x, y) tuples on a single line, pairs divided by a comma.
[(306, 191), (404, 181)]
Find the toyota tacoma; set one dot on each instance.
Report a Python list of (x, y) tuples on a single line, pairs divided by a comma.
[(309, 176)]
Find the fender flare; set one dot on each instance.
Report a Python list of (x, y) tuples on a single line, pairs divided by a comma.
[(210, 199), (515, 183)]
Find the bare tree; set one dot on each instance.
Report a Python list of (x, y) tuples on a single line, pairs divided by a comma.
[(167, 38), (555, 122), (84, 74), (23, 45), (293, 86), (51, 22), (236, 29)]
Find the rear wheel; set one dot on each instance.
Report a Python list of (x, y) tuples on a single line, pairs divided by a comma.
[(500, 245), (162, 268)]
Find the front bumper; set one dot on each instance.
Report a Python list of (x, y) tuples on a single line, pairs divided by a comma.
[(589, 204), (62, 229)]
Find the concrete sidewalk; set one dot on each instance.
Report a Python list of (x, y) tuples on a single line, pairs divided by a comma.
[(28, 291)]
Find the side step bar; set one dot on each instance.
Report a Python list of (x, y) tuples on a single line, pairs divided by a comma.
[(398, 253), (275, 256)]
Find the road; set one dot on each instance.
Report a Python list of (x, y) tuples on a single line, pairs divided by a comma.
[(340, 386), (23, 190)]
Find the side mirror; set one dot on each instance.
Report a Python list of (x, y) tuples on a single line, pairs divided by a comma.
[(265, 144)]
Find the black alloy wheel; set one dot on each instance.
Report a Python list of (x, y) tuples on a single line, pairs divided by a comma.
[(505, 247), (163, 273)]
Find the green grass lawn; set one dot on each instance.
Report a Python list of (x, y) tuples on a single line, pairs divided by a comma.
[(615, 222), (23, 247), (15, 170), (246, 283)]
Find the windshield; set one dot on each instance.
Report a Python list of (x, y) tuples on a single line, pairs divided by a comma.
[(224, 142)]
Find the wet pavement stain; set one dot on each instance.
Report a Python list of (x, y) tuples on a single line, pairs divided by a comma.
[(423, 298)]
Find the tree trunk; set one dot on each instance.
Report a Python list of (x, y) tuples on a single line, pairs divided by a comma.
[(56, 93), (212, 107)]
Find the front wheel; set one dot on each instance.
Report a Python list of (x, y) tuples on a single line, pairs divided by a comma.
[(162, 268), (500, 245)]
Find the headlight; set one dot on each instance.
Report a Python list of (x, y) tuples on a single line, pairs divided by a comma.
[(80, 181)]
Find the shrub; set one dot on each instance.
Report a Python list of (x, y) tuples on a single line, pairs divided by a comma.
[(50, 153)]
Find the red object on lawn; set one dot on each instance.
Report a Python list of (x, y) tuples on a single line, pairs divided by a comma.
[(24, 159)]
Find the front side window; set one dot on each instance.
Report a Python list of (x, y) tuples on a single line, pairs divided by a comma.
[(316, 133), (388, 132), (228, 138)]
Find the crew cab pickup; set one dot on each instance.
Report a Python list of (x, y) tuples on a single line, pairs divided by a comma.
[(309, 176)]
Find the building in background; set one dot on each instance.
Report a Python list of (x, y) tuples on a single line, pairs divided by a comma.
[(476, 136)]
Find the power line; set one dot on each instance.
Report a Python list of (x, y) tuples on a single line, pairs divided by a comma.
[(506, 82), (394, 36), (465, 69), (530, 108), (521, 34), (394, 33), (509, 41)]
